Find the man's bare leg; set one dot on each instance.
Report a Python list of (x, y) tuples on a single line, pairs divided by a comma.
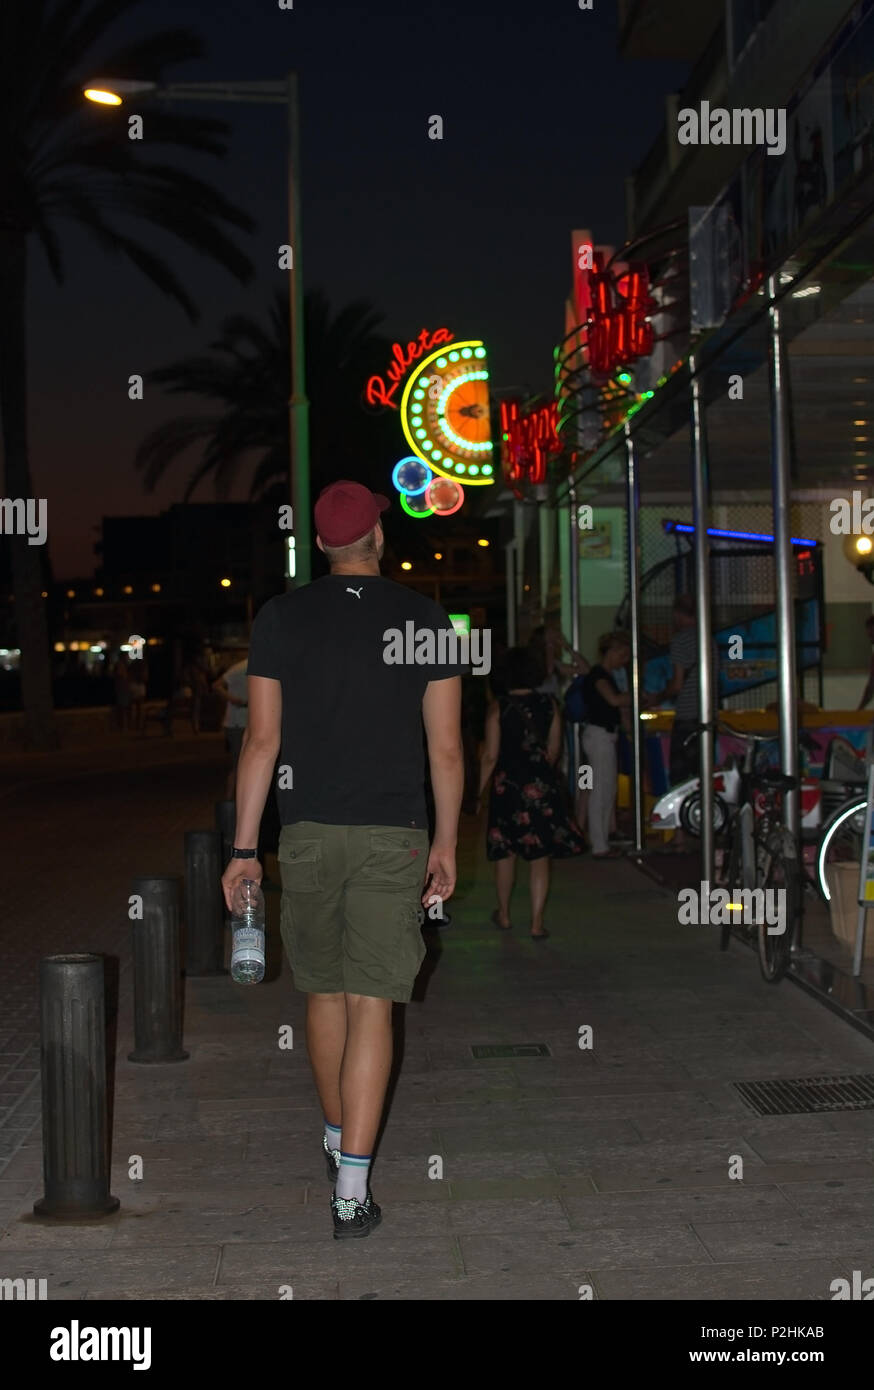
[(326, 1041), (365, 1071)]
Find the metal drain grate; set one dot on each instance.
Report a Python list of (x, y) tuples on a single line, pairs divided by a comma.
[(511, 1050), (808, 1095)]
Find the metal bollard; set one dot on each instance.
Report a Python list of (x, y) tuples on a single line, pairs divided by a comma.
[(157, 973), (204, 904), (226, 825), (75, 1129)]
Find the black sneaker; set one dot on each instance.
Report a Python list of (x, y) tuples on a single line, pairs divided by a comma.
[(354, 1219), (332, 1160)]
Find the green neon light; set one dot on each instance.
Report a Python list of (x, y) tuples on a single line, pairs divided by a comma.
[(409, 510)]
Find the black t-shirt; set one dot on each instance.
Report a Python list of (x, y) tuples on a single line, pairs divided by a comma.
[(599, 712), (352, 745)]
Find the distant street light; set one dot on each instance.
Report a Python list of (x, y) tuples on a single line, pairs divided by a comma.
[(112, 91)]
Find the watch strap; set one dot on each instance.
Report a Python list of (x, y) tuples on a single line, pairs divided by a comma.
[(244, 853)]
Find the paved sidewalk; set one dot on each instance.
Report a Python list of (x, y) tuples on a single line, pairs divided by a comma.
[(606, 1167)]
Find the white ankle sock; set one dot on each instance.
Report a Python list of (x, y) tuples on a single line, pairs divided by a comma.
[(352, 1178), (332, 1136)]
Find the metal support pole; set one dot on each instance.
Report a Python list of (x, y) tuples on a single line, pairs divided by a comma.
[(298, 406), (204, 904), (157, 973), (574, 597), (706, 674), (75, 1128), (510, 581), (780, 437), (519, 539), (546, 520), (632, 504)]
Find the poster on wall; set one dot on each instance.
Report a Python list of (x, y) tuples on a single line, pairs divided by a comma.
[(597, 544)]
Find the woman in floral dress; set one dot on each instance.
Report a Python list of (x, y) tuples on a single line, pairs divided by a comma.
[(527, 817)]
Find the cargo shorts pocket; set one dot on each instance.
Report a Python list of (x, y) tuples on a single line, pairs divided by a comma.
[(300, 865), (397, 858)]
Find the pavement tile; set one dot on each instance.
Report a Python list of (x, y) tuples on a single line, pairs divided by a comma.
[(532, 1288), (799, 1280), (841, 1198), (149, 1266), (617, 1249), (732, 1201), (287, 1262), (536, 1214), (248, 1292), (787, 1239)]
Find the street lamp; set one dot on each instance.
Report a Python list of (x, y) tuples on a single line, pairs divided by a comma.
[(113, 92)]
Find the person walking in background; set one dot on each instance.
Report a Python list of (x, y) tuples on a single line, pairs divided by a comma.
[(346, 715), (138, 672), (234, 686), (122, 688), (527, 817), (604, 703), (547, 646)]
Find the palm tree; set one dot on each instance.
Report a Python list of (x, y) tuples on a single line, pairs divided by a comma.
[(245, 375), (61, 158)]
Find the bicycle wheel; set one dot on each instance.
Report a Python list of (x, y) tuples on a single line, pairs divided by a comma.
[(840, 840), (782, 876)]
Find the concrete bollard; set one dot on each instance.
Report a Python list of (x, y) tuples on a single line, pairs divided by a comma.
[(226, 824), (75, 1129), (157, 973), (204, 904)]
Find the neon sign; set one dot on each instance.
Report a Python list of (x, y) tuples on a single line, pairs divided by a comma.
[(445, 413), (528, 442), (618, 325), (376, 391)]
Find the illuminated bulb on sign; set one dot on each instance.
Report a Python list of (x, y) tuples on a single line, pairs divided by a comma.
[(863, 545), (405, 565), (225, 583), (103, 98), (482, 542)]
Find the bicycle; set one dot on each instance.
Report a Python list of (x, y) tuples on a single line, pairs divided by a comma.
[(762, 856), (841, 838)]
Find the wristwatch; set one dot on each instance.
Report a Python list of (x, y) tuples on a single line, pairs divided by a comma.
[(244, 853)]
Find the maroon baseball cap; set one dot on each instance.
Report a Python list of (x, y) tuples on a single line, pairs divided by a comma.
[(346, 511)]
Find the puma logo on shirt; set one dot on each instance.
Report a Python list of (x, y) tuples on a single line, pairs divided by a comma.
[(356, 592)]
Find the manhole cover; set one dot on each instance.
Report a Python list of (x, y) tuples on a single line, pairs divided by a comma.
[(808, 1095), (511, 1050)]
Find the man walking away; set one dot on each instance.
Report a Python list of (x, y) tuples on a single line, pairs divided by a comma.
[(329, 695)]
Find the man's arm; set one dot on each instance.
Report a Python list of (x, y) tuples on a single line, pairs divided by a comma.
[(441, 713), (260, 749)]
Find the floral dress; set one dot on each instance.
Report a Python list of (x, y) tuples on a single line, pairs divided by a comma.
[(526, 810)]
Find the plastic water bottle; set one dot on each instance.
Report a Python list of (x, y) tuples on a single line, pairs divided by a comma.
[(247, 924)]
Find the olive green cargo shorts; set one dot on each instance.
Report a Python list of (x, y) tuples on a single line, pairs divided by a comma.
[(350, 895)]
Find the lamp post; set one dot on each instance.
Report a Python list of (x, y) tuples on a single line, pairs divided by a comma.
[(113, 92)]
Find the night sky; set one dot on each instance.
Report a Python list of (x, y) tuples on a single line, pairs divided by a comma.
[(542, 122)]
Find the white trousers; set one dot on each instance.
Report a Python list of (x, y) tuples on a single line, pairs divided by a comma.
[(600, 749)]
